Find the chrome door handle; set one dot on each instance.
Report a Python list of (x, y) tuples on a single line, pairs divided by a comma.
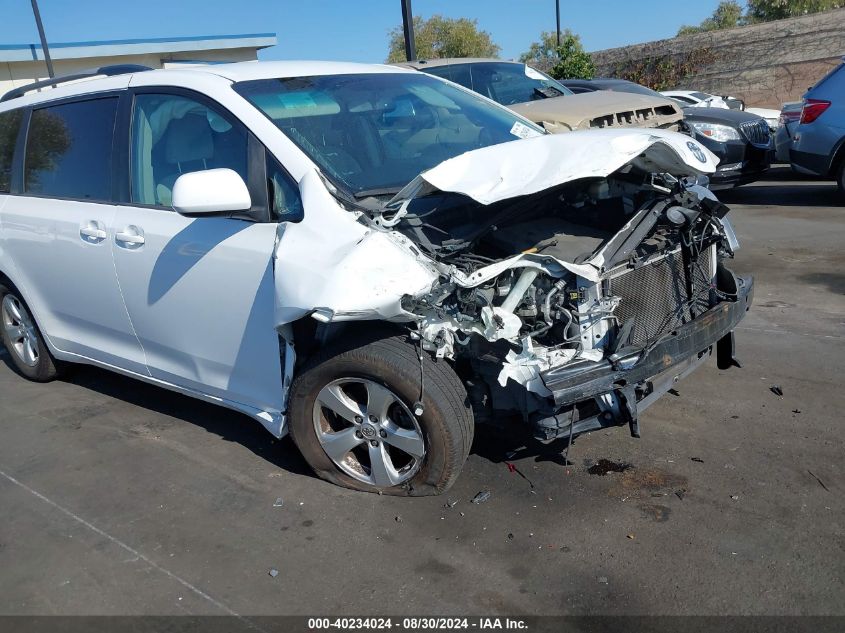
[(131, 235), (90, 231)]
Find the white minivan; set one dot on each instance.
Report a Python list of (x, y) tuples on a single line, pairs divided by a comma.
[(367, 257)]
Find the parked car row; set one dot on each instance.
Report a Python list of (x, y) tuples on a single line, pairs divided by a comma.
[(742, 141), (370, 258)]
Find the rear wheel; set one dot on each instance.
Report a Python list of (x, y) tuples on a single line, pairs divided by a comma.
[(23, 340), (352, 416), (840, 176)]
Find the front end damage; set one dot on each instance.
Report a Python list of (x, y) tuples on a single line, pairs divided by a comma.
[(579, 301), (570, 280)]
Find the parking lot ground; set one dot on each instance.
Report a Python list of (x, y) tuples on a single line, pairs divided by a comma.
[(122, 498)]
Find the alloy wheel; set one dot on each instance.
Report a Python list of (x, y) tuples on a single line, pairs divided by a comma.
[(20, 330), (368, 432)]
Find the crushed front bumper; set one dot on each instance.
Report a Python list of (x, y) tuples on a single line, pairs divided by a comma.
[(638, 380)]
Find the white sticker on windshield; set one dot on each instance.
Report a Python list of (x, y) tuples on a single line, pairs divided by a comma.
[(535, 74), (523, 131)]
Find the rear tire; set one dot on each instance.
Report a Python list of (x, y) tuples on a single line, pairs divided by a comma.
[(23, 340), (374, 384)]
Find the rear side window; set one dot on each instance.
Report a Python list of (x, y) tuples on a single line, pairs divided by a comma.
[(10, 123), (69, 150)]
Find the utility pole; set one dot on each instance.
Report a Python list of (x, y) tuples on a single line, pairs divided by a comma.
[(557, 15), (408, 27), (43, 39)]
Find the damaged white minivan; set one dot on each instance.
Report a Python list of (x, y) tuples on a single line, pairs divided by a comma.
[(367, 257)]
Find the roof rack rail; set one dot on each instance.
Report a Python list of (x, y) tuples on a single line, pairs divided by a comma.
[(108, 71)]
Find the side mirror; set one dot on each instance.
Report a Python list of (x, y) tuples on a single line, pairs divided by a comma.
[(209, 192)]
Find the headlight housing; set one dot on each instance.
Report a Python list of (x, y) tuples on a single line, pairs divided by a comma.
[(715, 131)]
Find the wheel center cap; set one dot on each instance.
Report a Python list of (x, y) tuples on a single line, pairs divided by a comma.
[(368, 431)]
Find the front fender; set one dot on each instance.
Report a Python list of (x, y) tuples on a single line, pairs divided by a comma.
[(332, 263)]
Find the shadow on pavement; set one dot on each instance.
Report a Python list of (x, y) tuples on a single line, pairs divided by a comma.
[(228, 425)]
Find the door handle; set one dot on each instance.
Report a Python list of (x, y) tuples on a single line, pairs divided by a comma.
[(130, 236), (92, 231)]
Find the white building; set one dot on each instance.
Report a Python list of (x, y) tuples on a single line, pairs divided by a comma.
[(21, 64)]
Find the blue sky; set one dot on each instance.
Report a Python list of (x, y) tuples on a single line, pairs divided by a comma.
[(353, 30)]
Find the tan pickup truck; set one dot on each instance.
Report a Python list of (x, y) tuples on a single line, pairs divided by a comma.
[(545, 101)]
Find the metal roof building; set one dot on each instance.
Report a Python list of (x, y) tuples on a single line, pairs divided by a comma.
[(24, 63)]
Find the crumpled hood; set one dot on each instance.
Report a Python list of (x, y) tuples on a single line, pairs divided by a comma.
[(575, 110), (530, 165)]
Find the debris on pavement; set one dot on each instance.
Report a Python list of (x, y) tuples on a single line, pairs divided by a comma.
[(776, 389), (451, 503), (481, 497), (821, 483), (603, 580), (510, 536), (697, 459), (274, 573), (680, 493), (512, 468), (735, 497), (278, 503), (397, 518), (604, 466), (631, 536), (796, 410)]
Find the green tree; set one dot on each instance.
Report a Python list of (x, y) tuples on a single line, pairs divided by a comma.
[(766, 10), (727, 15), (567, 61), (440, 37)]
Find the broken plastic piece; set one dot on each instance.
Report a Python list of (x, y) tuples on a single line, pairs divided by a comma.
[(776, 389), (274, 573), (278, 503), (481, 497)]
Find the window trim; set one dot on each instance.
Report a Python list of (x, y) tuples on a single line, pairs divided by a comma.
[(19, 165), (13, 166), (256, 173)]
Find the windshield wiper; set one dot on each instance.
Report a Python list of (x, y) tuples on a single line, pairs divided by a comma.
[(371, 193)]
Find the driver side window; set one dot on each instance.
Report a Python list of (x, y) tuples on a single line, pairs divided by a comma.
[(173, 135)]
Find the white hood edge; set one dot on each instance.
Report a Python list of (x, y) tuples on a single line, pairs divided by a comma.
[(530, 165)]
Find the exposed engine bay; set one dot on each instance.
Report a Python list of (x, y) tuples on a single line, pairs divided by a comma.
[(568, 279), (589, 270)]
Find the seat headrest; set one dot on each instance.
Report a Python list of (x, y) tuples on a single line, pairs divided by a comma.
[(188, 139)]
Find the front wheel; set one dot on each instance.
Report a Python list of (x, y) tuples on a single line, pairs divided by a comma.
[(352, 417)]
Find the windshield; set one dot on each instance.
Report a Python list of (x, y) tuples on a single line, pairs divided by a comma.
[(372, 134), (504, 82), (629, 86)]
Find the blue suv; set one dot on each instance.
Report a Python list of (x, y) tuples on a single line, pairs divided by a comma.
[(818, 146)]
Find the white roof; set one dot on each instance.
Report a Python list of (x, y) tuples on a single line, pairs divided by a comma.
[(244, 71), (189, 76)]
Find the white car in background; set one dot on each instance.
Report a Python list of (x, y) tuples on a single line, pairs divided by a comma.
[(367, 257), (695, 99)]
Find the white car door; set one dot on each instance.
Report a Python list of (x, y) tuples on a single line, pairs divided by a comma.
[(199, 291), (57, 227)]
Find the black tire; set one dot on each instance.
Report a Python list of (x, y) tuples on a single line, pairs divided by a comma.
[(840, 176), (46, 368), (446, 423)]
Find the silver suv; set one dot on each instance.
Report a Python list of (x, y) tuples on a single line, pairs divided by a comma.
[(818, 146)]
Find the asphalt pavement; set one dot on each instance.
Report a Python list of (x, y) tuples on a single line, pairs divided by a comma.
[(121, 498)]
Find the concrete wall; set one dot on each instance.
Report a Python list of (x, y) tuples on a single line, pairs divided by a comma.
[(14, 74), (764, 64)]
